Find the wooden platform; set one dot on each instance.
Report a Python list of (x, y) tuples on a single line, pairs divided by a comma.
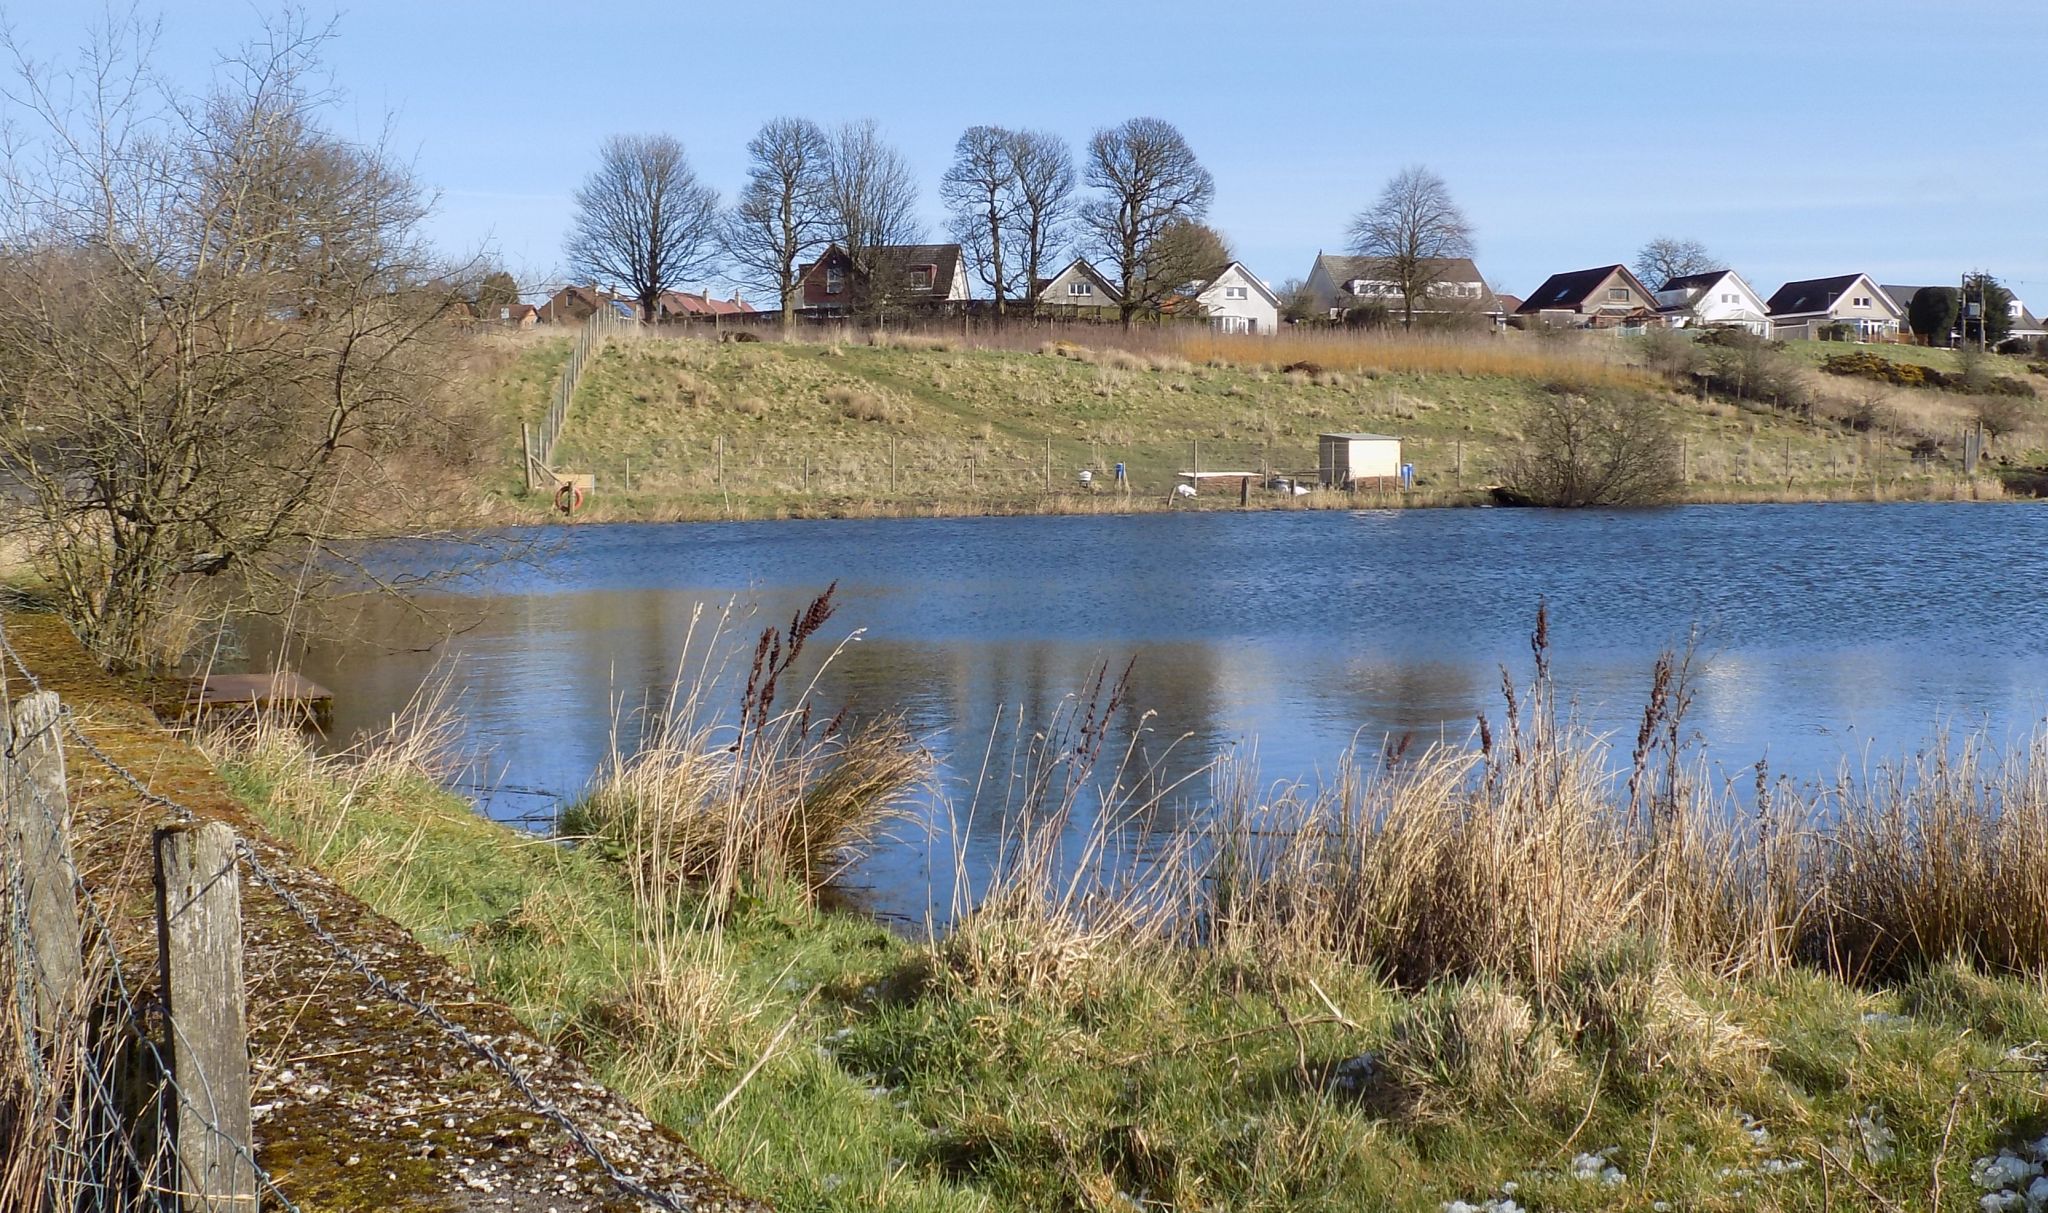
[(280, 691)]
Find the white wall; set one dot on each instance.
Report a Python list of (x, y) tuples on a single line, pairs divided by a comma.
[(1255, 309)]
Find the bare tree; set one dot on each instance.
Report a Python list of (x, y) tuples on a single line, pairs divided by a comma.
[(871, 210), (780, 217), (222, 339), (1668, 257), (1150, 181), (1045, 203), (1409, 235), (643, 219), (1583, 450), (980, 191)]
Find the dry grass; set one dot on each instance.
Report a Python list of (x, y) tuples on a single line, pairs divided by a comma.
[(776, 798), (1581, 364)]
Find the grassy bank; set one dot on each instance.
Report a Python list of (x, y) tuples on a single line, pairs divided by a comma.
[(1476, 973), (681, 427)]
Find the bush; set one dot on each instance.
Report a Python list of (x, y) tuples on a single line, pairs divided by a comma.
[(1595, 451)]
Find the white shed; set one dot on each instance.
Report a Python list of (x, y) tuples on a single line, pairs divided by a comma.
[(1343, 458)]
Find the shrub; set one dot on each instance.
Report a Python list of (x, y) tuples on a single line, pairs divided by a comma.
[(1595, 451), (856, 405)]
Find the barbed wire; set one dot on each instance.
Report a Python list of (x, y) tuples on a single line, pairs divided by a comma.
[(131, 1009), (395, 992)]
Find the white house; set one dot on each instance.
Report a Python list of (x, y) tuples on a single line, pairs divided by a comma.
[(1714, 299), (1456, 289), (1237, 302), (1803, 309)]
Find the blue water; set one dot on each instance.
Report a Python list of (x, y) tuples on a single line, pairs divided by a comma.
[(1826, 633)]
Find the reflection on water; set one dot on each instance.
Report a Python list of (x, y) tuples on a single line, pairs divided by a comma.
[(1825, 630)]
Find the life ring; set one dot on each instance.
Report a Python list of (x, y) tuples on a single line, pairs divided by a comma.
[(569, 497)]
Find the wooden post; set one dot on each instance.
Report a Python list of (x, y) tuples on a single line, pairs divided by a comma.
[(526, 448), (1048, 463), (199, 939), (1788, 463), (628, 477), (1460, 481), (1244, 491), (1685, 459), (39, 832), (807, 472), (893, 443)]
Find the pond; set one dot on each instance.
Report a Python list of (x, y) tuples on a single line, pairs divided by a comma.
[(1826, 634)]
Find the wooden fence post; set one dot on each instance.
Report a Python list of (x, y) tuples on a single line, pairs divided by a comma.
[(39, 832), (199, 936)]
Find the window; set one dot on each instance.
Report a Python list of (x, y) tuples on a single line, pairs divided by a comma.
[(1235, 292), (921, 277), (1080, 288), (835, 280), (1618, 293), (1862, 301), (1728, 297)]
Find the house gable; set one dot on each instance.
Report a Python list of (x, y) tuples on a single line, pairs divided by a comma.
[(1336, 281), (1844, 297), (1603, 290), (1060, 288)]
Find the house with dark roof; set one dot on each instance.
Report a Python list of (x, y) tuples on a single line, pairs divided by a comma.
[(921, 276), (2024, 323), (1078, 289), (1457, 291), (1714, 299), (1805, 308), (1606, 296)]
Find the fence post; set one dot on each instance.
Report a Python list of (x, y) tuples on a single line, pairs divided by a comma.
[(199, 937), (39, 832)]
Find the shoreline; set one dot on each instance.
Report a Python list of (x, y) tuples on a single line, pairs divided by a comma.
[(515, 510)]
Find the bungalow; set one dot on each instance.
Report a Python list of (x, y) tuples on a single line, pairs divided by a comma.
[(1714, 299), (1236, 301), (1079, 287), (1804, 309), (1338, 285), (1605, 296), (910, 275), (2024, 323)]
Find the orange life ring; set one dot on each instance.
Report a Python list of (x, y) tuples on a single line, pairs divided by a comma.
[(569, 497)]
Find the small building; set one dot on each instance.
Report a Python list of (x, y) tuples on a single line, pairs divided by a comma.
[(1344, 458)]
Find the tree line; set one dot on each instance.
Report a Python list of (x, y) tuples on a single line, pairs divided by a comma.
[(645, 220)]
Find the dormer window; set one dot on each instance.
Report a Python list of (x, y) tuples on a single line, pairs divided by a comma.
[(921, 277)]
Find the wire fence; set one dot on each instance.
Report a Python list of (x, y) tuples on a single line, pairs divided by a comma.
[(100, 1111), (602, 324)]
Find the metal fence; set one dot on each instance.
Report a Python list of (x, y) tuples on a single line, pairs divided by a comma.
[(540, 448)]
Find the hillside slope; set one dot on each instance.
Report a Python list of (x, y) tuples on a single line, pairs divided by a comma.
[(683, 427)]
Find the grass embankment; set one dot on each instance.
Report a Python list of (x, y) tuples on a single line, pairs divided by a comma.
[(1454, 972), (680, 427)]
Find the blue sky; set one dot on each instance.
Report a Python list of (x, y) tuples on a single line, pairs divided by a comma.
[(1795, 140)]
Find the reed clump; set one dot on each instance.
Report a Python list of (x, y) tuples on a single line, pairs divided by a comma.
[(777, 796)]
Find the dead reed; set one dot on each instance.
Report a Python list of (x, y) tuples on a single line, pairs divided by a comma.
[(1518, 857), (776, 797)]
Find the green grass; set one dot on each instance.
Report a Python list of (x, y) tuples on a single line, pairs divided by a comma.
[(682, 428), (904, 1075)]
